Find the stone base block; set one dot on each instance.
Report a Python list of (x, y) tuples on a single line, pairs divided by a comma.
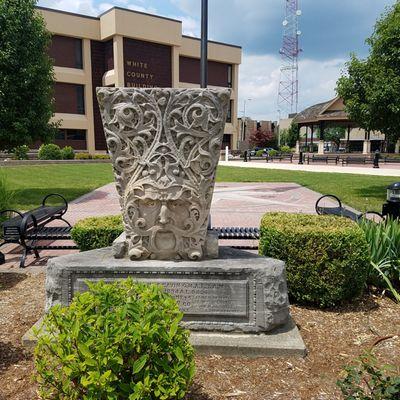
[(239, 291), (281, 342)]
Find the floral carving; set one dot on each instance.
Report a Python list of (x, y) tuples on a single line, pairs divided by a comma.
[(165, 146)]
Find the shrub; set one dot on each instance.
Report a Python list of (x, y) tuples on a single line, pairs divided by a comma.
[(326, 257), (7, 196), (21, 152), (367, 380), (67, 153), (115, 341), (101, 157), (83, 156), (96, 232), (285, 149), (49, 152), (259, 153), (273, 153)]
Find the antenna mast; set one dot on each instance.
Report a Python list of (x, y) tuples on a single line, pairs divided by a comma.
[(289, 84)]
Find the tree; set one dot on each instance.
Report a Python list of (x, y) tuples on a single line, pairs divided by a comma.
[(261, 138), (26, 76), (370, 88), (289, 136), (334, 134)]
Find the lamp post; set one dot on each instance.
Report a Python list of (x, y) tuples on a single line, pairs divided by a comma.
[(392, 205), (244, 118), (204, 44)]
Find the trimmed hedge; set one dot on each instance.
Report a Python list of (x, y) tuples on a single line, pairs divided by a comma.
[(96, 232), (326, 257), (49, 151)]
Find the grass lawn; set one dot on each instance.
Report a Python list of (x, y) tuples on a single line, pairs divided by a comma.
[(31, 183)]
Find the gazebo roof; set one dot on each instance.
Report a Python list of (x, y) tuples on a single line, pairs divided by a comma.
[(332, 110)]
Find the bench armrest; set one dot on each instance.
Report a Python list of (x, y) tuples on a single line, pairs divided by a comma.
[(25, 223), (56, 195)]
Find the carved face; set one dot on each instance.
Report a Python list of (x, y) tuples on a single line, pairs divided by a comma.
[(160, 217)]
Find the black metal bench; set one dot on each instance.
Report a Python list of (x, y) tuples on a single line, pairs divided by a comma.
[(236, 233), (390, 160), (326, 159), (280, 157), (28, 228), (356, 160), (330, 204)]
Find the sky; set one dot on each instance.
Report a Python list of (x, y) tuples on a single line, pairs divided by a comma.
[(330, 31)]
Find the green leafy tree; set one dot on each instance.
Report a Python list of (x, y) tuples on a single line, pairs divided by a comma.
[(26, 76), (289, 136), (334, 134), (370, 88)]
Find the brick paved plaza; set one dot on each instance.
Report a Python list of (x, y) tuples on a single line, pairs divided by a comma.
[(234, 204)]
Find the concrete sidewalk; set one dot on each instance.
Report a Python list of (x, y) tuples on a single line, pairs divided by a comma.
[(385, 170)]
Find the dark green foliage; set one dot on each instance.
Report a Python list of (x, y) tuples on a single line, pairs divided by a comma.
[(115, 342), (7, 195), (290, 136), (49, 152), (259, 153), (67, 153), (326, 257), (26, 76), (368, 381), (371, 87), (97, 232), (285, 149), (21, 152)]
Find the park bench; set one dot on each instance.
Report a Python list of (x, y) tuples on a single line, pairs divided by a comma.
[(356, 160), (391, 160), (330, 204), (280, 157), (29, 228), (324, 158), (236, 233)]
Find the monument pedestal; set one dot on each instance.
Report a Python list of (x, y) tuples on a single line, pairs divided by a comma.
[(239, 291)]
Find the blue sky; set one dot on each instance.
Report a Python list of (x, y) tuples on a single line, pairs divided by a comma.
[(331, 30)]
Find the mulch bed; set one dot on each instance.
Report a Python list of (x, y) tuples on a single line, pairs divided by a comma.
[(333, 338)]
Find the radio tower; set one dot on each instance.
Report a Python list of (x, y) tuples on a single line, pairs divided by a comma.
[(289, 83)]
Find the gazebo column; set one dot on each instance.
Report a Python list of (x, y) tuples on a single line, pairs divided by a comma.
[(367, 144), (397, 147), (306, 137), (297, 150), (312, 138), (321, 138), (348, 139)]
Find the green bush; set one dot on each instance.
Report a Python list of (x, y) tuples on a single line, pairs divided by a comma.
[(285, 149), (21, 152), (96, 232), (115, 341), (366, 380), (101, 157), (273, 153), (49, 152), (326, 257), (259, 153), (7, 197), (67, 153), (83, 156)]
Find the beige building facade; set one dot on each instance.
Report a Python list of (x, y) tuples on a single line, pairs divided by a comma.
[(125, 48)]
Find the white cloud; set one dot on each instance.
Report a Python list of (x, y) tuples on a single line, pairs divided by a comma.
[(259, 80)]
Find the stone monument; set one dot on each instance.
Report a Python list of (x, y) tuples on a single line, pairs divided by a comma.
[(165, 145)]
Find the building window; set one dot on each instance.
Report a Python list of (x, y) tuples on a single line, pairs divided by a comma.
[(230, 76), (69, 98), (76, 138), (66, 51), (226, 141), (229, 116)]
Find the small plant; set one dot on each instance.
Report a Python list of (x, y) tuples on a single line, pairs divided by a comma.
[(83, 156), (368, 381), (326, 256), (101, 157), (285, 149), (259, 153), (49, 152), (273, 153), (115, 341), (21, 152), (67, 153), (97, 232), (7, 195)]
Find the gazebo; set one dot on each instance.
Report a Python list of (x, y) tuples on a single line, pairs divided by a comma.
[(328, 114)]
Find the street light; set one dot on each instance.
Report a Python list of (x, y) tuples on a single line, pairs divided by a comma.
[(244, 118), (392, 205)]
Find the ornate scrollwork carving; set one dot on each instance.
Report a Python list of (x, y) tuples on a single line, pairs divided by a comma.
[(165, 146)]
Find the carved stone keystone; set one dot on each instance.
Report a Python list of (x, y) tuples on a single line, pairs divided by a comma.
[(165, 146)]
